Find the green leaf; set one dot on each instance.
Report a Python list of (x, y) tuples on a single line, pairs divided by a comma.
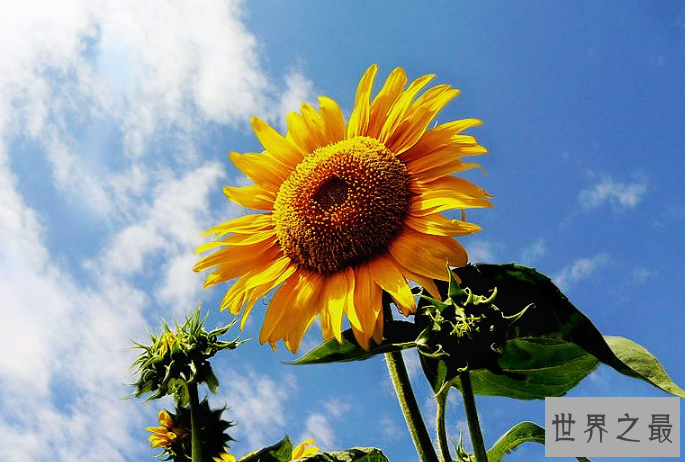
[(554, 316), (279, 452), (535, 368), (642, 364), (349, 455), (398, 335), (517, 435), (520, 433)]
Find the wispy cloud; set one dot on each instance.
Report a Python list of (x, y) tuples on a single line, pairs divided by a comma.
[(320, 426), (620, 195), (580, 270), (152, 76), (534, 252), (481, 251), (259, 404)]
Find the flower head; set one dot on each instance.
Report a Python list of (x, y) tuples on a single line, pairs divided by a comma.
[(349, 211), (173, 436), (168, 434)]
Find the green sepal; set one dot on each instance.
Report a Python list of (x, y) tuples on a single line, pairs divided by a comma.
[(520, 433), (279, 452), (349, 455), (454, 290), (211, 381), (398, 335)]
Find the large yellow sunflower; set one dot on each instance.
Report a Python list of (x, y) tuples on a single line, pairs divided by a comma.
[(349, 211)]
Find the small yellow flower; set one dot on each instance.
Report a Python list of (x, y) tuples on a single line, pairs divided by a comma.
[(301, 450), (167, 434), (166, 342), (225, 457)]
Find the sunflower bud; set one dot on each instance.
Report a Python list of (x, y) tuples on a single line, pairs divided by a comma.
[(466, 331), (177, 358)]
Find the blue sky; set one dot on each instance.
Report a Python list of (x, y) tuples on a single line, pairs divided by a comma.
[(115, 122)]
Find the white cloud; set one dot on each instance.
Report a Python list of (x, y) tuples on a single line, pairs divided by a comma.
[(534, 252), (641, 275), (154, 70), (481, 251), (115, 96), (320, 427), (298, 90), (619, 195), (258, 404), (412, 362), (62, 365), (579, 270)]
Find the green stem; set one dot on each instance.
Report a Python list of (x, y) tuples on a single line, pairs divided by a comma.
[(441, 400), (472, 418), (196, 441), (410, 408)]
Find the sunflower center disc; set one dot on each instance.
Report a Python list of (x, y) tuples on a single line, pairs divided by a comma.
[(341, 205)]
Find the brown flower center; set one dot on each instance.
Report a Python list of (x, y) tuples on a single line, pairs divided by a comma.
[(341, 205)]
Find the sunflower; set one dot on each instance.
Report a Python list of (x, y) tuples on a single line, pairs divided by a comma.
[(168, 434), (348, 211)]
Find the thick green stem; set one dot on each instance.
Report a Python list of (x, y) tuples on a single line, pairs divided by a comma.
[(196, 440), (472, 418), (441, 400), (410, 408)]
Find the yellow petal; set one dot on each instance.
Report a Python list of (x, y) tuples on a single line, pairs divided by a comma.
[(427, 255), (443, 137), (335, 299), (439, 225), (399, 109), (333, 119), (305, 135), (251, 197), (282, 149), (386, 97), (262, 168), (418, 117), (246, 224), (165, 419), (298, 316), (301, 450), (367, 304), (238, 256), (448, 192), (359, 119), (281, 303), (387, 275)]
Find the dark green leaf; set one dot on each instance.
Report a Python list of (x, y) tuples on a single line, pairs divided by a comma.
[(554, 316), (535, 368), (399, 335), (349, 455), (279, 452), (643, 364), (518, 434)]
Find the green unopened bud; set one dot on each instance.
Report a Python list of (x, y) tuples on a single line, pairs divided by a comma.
[(467, 331), (177, 358)]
